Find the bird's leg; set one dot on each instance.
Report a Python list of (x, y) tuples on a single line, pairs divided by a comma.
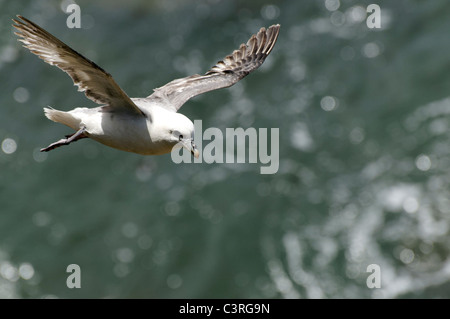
[(66, 141)]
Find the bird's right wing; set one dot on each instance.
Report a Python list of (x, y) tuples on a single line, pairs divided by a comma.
[(224, 74), (97, 84)]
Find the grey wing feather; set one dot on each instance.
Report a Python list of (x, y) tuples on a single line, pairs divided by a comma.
[(224, 74), (97, 84)]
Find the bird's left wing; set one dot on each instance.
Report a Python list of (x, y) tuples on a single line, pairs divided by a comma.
[(97, 84), (224, 74)]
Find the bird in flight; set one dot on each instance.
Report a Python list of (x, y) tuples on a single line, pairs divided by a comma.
[(147, 126)]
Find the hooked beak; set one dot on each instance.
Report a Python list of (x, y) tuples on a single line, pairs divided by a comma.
[(194, 150), (191, 147)]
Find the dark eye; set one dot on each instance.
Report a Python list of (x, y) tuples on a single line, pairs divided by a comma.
[(180, 137)]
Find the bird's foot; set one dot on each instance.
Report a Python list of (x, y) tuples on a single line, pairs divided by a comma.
[(66, 141)]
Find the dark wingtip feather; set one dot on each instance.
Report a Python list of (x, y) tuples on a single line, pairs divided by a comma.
[(255, 51)]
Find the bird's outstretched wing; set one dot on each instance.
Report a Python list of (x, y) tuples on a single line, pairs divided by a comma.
[(97, 84), (224, 74)]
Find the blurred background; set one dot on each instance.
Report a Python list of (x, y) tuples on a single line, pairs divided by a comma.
[(364, 118)]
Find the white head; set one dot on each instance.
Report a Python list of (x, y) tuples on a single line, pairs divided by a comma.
[(179, 131)]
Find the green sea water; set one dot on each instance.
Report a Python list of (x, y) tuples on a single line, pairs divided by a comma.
[(364, 156)]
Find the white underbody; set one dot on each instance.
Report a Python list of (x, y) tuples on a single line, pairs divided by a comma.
[(123, 129)]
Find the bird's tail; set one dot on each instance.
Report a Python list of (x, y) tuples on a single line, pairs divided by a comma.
[(62, 117)]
